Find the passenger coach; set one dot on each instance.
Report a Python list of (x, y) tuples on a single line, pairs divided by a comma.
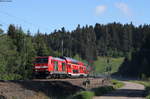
[(55, 67)]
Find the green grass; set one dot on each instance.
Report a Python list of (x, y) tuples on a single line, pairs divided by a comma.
[(101, 64), (105, 89), (94, 92), (117, 84), (147, 87), (97, 91), (83, 95)]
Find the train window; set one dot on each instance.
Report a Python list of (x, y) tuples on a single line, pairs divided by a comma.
[(41, 60), (55, 65), (63, 66), (69, 66), (75, 71), (81, 68)]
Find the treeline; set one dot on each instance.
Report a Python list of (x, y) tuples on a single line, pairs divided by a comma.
[(138, 63), (17, 48)]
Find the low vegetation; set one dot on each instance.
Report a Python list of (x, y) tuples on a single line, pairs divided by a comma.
[(117, 84), (94, 92), (97, 91), (102, 90), (83, 95)]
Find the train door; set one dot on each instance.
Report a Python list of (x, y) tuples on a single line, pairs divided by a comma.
[(75, 70), (81, 69), (64, 67), (55, 65), (69, 70)]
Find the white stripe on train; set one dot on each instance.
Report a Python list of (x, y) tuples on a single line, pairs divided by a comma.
[(37, 67)]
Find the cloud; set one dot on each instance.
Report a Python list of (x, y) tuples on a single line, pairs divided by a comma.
[(100, 9), (124, 8)]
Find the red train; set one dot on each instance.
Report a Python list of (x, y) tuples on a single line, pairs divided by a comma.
[(59, 67)]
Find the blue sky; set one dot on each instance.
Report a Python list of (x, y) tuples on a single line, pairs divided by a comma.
[(48, 15)]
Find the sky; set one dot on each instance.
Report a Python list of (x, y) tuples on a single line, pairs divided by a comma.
[(48, 15)]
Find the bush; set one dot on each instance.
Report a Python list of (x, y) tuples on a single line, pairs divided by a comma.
[(83, 95), (143, 77), (102, 90), (10, 77), (117, 84)]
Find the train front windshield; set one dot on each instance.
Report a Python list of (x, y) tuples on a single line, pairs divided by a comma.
[(41, 60)]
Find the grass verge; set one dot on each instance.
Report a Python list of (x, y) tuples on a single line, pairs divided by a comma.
[(117, 84), (83, 95), (97, 91)]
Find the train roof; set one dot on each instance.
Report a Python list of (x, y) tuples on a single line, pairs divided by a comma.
[(74, 61), (68, 59), (60, 59), (71, 59)]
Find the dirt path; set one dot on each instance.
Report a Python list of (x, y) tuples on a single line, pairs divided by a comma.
[(129, 91)]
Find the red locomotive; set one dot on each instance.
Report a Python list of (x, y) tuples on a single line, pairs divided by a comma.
[(59, 67)]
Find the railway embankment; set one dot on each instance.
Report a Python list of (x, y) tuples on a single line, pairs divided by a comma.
[(45, 88)]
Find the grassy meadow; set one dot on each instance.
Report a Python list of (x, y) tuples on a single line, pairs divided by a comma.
[(101, 64)]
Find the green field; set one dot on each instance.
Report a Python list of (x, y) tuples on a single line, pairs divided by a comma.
[(101, 64)]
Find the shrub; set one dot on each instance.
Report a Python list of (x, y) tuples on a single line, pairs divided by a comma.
[(10, 77), (117, 84), (83, 95), (143, 77), (102, 90)]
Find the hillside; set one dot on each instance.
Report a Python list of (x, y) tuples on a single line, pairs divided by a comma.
[(101, 64)]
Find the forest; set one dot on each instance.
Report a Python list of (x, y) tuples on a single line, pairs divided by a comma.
[(18, 48)]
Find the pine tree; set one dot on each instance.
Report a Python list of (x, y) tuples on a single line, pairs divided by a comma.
[(40, 46), (11, 31)]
